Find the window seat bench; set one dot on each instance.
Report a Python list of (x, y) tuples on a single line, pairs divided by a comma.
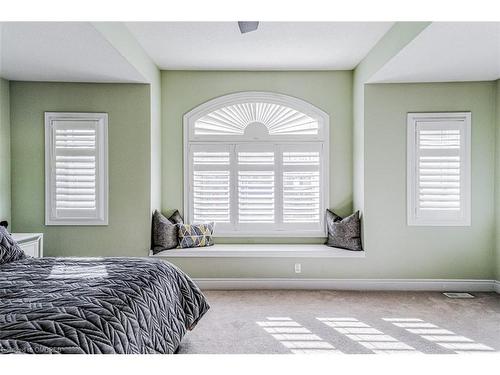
[(261, 251)]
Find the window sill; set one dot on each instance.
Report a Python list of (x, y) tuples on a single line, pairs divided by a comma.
[(274, 234), (261, 251)]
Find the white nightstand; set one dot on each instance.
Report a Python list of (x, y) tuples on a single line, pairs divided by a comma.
[(31, 243)]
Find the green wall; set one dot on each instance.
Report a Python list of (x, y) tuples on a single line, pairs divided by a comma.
[(4, 150), (393, 250), (387, 47), (128, 106), (399, 250), (120, 37), (331, 91), (497, 181)]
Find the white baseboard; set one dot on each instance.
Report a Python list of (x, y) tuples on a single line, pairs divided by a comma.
[(441, 285), (497, 286)]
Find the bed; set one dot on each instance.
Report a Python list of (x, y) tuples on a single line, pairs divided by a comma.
[(96, 305)]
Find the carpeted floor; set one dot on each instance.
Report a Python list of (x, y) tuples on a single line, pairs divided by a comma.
[(331, 322)]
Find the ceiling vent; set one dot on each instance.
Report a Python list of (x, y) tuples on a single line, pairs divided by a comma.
[(247, 26)]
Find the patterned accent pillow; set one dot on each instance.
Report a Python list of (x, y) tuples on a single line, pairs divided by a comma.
[(344, 233), (196, 235), (176, 218), (9, 249), (164, 233)]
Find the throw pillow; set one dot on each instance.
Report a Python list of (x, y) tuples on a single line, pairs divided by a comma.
[(196, 235), (9, 249), (344, 233), (176, 218), (164, 233)]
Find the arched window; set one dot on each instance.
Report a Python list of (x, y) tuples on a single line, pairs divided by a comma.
[(256, 163)]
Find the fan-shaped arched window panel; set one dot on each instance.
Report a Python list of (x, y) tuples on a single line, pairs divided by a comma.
[(276, 120), (256, 163)]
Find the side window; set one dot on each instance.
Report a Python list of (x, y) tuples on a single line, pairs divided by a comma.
[(439, 160), (76, 168)]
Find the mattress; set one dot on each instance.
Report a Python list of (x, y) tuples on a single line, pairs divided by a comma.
[(96, 305)]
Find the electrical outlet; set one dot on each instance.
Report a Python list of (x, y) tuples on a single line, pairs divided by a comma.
[(298, 268)]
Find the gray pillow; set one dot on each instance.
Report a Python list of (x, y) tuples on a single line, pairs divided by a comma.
[(164, 233), (9, 249), (176, 218), (344, 233)]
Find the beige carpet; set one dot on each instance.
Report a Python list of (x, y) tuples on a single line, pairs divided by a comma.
[(335, 322)]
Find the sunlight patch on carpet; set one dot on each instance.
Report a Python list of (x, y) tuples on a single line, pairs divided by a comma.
[(295, 337), (442, 337)]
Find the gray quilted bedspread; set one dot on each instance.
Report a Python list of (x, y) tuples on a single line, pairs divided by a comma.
[(96, 305)]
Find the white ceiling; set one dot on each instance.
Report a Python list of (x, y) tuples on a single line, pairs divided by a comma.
[(458, 51), (275, 45), (61, 51), (78, 52)]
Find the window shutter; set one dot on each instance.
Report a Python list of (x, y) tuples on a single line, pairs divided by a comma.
[(256, 187), (76, 168), (301, 186), (440, 170), (211, 186)]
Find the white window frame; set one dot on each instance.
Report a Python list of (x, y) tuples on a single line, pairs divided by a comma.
[(101, 213), (464, 218), (234, 141)]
